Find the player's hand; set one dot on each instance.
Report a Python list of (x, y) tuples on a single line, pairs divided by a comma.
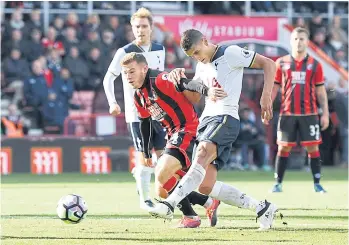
[(176, 74), (216, 94), (324, 121), (266, 108), (265, 122), (114, 109), (148, 162)]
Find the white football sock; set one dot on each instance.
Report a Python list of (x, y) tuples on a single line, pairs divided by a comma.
[(142, 176), (208, 203), (232, 196), (190, 182)]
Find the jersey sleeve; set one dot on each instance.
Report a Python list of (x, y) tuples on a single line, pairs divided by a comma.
[(319, 75), (163, 84), (239, 57), (278, 74), (115, 66), (142, 112)]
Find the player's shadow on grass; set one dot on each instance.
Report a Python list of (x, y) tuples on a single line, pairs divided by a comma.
[(160, 240)]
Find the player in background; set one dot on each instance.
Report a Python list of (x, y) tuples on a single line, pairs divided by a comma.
[(142, 22), (301, 80), (220, 66), (156, 98)]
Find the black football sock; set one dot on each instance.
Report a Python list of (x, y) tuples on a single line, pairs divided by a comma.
[(281, 165), (197, 198), (315, 165)]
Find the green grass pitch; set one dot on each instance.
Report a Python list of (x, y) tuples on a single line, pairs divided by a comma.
[(29, 202)]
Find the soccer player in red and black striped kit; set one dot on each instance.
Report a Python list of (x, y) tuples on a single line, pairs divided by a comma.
[(158, 99), (301, 79)]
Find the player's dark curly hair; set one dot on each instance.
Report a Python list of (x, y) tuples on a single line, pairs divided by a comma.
[(189, 38)]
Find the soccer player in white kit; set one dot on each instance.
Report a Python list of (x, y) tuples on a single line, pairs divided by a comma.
[(154, 53), (220, 66)]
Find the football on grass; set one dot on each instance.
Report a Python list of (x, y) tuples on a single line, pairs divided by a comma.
[(71, 209)]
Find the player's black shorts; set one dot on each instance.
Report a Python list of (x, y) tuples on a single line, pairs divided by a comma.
[(307, 127), (181, 145), (222, 130), (157, 141)]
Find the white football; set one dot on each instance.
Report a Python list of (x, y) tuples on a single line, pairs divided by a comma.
[(72, 209)]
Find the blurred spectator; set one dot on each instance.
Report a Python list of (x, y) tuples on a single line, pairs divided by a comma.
[(316, 26), (341, 58), (118, 30), (187, 63), (77, 68), (12, 124), (16, 70), (97, 69), (92, 24), (34, 22), (58, 24), (341, 106), (336, 30), (70, 39), (251, 137), (300, 22), (170, 61), (50, 41), (35, 86), (262, 6), (54, 62), (129, 36), (108, 43), (92, 41), (335, 44), (319, 40), (172, 47), (34, 46), (16, 42), (15, 23), (64, 87), (72, 20)]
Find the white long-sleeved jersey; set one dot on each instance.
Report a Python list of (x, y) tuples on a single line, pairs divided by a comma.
[(225, 71), (155, 57)]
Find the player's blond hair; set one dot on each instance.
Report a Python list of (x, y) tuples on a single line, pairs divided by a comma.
[(131, 57), (143, 13)]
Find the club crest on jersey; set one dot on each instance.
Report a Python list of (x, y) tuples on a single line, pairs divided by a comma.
[(310, 66), (298, 77), (246, 53)]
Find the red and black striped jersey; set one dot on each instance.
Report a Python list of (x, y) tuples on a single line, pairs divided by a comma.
[(159, 99), (298, 81)]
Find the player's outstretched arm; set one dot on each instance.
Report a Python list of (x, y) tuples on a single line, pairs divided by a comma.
[(197, 86), (108, 82), (269, 68), (193, 97)]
